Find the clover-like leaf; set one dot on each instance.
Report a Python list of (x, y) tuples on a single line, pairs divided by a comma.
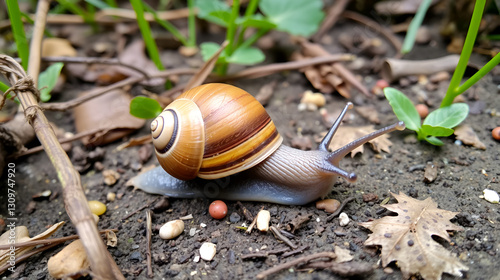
[(47, 80), (403, 108), (213, 10), (449, 117), (297, 17), (246, 56), (437, 131), (144, 107)]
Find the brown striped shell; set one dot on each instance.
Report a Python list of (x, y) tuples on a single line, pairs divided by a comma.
[(213, 131)]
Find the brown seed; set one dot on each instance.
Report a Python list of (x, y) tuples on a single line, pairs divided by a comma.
[(329, 205), (422, 110), (496, 133)]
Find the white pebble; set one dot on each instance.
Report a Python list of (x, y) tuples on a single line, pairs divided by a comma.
[(207, 251), (263, 218), (344, 219), (196, 259), (172, 229), (491, 196)]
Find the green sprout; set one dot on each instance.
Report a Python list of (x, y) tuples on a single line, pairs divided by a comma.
[(440, 123), (297, 17)]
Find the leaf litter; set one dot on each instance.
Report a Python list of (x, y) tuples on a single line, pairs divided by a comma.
[(407, 238)]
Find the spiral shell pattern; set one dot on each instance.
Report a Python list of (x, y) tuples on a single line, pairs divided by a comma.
[(213, 131)]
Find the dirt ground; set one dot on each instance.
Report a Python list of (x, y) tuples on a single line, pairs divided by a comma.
[(463, 173)]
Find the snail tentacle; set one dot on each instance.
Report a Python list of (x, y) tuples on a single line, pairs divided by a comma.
[(325, 142)]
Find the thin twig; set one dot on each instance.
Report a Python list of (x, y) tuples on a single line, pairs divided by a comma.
[(292, 263), (396, 43), (264, 254), (149, 233), (296, 251), (331, 18), (341, 207), (248, 215), (140, 209), (281, 237), (48, 241)]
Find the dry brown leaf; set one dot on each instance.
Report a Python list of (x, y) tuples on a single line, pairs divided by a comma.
[(109, 112), (407, 238), (347, 134), (202, 74), (343, 255), (467, 135), (21, 235), (57, 47), (71, 261), (136, 141), (368, 112)]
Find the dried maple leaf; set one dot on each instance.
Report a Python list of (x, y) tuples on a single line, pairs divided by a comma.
[(467, 135), (407, 238), (347, 134)]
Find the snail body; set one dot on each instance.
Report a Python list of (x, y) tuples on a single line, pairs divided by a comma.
[(234, 152)]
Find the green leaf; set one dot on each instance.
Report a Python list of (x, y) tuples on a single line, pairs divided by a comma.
[(144, 107), (246, 56), (208, 49), (220, 17), (47, 80), (438, 131), (403, 108), (213, 11), (257, 21), (448, 117), (297, 17), (434, 141)]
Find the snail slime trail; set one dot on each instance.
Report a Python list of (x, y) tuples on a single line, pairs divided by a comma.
[(217, 141)]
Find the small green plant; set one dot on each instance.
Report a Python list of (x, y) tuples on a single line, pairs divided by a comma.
[(47, 80), (440, 123), (144, 107), (297, 17)]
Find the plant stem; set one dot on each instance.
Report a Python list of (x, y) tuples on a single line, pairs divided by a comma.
[(231, 29), (251, 8), (167, 25), (146, 33), (254, 38), (18, 30), (453, 88), (414, 25), (191, 25), (479, 74)]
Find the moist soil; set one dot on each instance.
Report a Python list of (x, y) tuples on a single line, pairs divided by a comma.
[(463, 172)]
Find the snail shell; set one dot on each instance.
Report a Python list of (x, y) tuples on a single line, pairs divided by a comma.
[(213, 131)]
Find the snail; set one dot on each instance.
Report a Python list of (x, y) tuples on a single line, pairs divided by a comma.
[(217, 141)]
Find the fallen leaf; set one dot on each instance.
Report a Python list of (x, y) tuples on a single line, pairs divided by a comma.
[(368, 112), (108, 112), (407, 238), (343, 255), (111, 239), (467, 135), (57, 47), (21, 235), (351, 133), (70, 261), (136, 141)]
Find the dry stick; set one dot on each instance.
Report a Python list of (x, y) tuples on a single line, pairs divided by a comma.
[(331, 18), (149, 232), (63, 106), (292, 263), (296, 251), (281, 237), (246, 213), (93, 60), (57, 240), (74, 199), (377, 28), (342, 205), (63, 141), (140, 209)]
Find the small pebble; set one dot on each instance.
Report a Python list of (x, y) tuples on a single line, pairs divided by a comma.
[(172, 229), (218, 209), (110, 177), (110, 196), (97, 207), (234, 217), (491, 196), (317, 99), (422, 110), (344, 219), (135, 256), (207, 251), (496, 133), (263, 218), (329, 205)]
